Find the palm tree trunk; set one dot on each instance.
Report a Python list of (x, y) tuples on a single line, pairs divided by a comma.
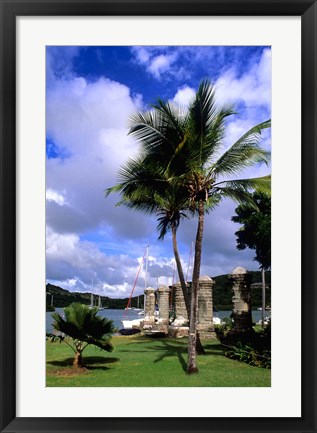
[(199, 347), (78, 360), (180, 270), (191, 365)]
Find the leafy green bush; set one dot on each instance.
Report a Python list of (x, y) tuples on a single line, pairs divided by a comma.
[(250, 355), (224, 328), (252, 348)]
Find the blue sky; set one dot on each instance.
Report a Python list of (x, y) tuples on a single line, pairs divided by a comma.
[(91, 91)]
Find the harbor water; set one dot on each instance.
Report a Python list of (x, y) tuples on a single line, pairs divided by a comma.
[(117, 315)]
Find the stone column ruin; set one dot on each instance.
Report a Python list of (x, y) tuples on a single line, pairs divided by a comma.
[(205, 325), (181, 317), (149, 307), (163, 304), (241, 313)]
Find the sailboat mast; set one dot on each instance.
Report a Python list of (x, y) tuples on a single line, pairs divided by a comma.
[(136, 279), (145, 275), (92, 295), (146, 266)]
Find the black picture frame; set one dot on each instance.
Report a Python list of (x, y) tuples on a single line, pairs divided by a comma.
[(10, 9)]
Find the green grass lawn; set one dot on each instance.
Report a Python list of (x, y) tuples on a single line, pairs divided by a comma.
[(141, 361)]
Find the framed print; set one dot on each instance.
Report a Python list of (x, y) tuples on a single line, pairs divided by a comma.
[(46, 169)]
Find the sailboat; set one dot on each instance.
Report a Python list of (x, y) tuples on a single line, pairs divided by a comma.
[(100, 307), (138, 309), (129, 324), (91, 301)]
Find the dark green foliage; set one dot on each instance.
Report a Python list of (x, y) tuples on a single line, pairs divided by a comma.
[(223, 329), (82, 324), (256, 230), (222, 291), (248, 354), (63, 298), (253, 348)]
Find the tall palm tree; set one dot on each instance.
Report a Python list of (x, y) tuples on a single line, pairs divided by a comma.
[(85, 327), (142, 187), (185, 148)]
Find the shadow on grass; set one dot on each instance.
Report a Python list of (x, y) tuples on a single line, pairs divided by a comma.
[(170, 349), (214, 349), (173, 348), (90, 362)]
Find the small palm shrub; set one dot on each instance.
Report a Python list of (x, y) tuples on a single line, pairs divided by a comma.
[(85, 327)]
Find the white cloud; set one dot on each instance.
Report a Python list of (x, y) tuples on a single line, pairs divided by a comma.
[(77, 111), (59, 62), (72, 263), (158, 61), (75, 262), (142, 54), (55, 196), (160, 64), (184, 96), (253, 87), (88, 121)]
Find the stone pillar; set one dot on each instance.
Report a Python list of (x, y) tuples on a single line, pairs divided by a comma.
[(163, 304), (180, 307), (149, 305), (241, 313), (179, 326), (205, 325)]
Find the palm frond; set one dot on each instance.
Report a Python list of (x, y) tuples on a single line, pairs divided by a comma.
[(243, 153), (240, 196), (167, 220), (260, 184), (206, 122), (158, 131), (83, 324), (138, 180), (212, 202)]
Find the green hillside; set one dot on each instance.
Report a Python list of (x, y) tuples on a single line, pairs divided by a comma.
[(222, 295), (63, 298)]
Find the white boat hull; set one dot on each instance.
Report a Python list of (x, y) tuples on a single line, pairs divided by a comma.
[(129, 324)]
